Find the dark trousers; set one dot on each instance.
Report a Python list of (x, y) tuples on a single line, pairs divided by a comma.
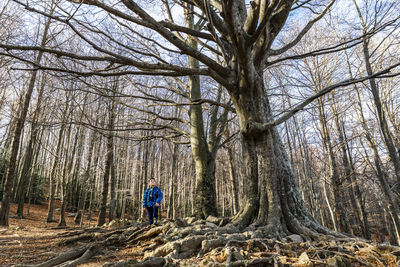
[(152, 213)]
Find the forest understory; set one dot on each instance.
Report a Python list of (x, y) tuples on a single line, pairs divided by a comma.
[(183, 242)]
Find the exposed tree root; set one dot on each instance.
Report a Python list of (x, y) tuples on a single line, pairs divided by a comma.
[(98, 239), (75, 239), (66, 256), (203, 240), (89, 253)]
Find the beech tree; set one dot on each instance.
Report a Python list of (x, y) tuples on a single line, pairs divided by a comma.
[(109, 158)]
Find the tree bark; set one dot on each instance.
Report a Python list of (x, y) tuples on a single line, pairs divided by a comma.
[(67, 170), (92, 181), (108, 163), (233, 180), (205, 191), (172, 181), (286, 210), (113, 206)]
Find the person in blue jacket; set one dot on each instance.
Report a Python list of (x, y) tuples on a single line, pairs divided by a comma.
[(151, 200)]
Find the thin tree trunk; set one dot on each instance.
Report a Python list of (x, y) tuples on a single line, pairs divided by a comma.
[(18, 166), (310, 191), (334, 180), (9, 135), (112, 208), (387, 136), (27, 165), (172, 180), (34, 174), (52, 185), (67, 170), (143, 173), (347, 181), (137, 193), (233, 180), (85, 180), (328, 203), (355, 186), (92, 181), (387, 194), (108, 163)]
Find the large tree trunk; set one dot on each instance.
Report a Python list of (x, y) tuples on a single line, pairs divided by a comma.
[(205, 192), (286, 211)]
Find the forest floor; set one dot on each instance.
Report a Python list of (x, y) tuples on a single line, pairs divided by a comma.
[(32, 241)]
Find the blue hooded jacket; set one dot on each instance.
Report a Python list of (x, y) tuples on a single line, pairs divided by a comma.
[(152, 196)]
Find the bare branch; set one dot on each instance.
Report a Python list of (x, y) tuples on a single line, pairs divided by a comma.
[(303, 31), (261, 127)]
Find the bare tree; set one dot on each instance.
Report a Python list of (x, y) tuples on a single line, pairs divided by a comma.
[(109, 161)]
